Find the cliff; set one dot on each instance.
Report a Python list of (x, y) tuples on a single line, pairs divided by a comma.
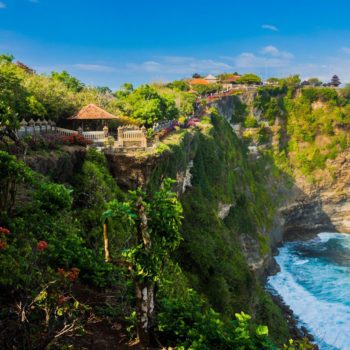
[(230, 218), (242, 189)]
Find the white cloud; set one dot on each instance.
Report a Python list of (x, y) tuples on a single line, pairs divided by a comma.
[(269, 57), (2, 5), (275, 52), (179, 65), (94, 67), (345, 50), (250, 60), (270, 27)]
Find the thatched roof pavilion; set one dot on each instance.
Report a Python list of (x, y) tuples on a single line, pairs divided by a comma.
[(93, 117), (92, 112)]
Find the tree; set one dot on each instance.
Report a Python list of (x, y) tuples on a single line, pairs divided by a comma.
[(12, 99), (196, 76), (249, 79), (147, 106), (291, 81), (180, 85), (155, 223), (104, 90), (125, 90), (58, 100), (6, 58), (68, 80), (345, 92), (315, 82), (206, 89), (187, 104), (273, 80), (335, 81)]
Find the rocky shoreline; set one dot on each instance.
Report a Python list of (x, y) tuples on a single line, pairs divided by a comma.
[(296, 331)]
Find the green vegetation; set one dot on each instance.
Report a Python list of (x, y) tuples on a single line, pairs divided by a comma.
[(148, 247), (313, 122), (147, 106), (249, 79), (57, 235), (206, 89)]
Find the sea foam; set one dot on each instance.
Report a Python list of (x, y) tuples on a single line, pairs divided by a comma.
[(315, 283)]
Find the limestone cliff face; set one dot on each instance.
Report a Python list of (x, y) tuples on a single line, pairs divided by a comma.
[(321, 206)]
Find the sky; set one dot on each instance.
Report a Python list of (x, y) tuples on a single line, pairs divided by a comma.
[(108, 42)]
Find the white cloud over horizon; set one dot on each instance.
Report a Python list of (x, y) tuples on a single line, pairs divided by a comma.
[(267, 61), (275, 52), (270, 27), (179, 65)]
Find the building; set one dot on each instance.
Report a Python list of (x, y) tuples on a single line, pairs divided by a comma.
[(211, 79), (198, 81), (93, 117), (229, 81)]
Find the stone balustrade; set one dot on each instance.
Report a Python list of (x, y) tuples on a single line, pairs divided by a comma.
[(128, 137), (131, 136), (35, 127)]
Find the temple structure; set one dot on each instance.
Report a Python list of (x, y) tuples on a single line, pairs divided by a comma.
[(92, 117)]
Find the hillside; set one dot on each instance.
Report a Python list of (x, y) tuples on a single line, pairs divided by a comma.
[(95, 245)]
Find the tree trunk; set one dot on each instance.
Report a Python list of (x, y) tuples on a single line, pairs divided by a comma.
[(145, 311), (144, 288), (105, 241)]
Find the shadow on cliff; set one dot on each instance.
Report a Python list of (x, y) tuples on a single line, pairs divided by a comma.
[(304, 216)]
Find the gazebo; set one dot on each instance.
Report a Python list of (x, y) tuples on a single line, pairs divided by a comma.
[(93, 116)]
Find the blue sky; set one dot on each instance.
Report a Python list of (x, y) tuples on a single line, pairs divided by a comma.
[(110, 42)]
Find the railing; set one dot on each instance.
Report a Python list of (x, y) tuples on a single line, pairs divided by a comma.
[(66, 132), (131, 136), (94, 135), (35, 127)]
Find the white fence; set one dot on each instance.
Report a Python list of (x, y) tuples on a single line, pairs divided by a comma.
[(65, 132), (131, 136), (94, 135)]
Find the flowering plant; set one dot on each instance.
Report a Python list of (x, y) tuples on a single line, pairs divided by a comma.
[(42, 245), (75, 139), (4, 230)]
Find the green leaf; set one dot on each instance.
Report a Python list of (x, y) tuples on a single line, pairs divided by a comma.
[(262, 331)]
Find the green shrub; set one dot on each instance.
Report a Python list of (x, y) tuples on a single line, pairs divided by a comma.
[(250, 122)]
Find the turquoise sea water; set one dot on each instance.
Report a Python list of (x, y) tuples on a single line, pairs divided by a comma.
[(315, 282)]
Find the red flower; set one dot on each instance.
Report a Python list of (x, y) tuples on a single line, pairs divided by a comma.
[(42, 245), (61, 299), (3, 245), (4, 230), (73, 274)]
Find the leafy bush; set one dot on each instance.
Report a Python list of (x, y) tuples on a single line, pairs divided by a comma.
[(250, 122), (320, 94), (188, 323), (53, 198)]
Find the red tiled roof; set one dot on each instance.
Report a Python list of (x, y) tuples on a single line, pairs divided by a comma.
[(199, 81), (232, 79), (92, 112)]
